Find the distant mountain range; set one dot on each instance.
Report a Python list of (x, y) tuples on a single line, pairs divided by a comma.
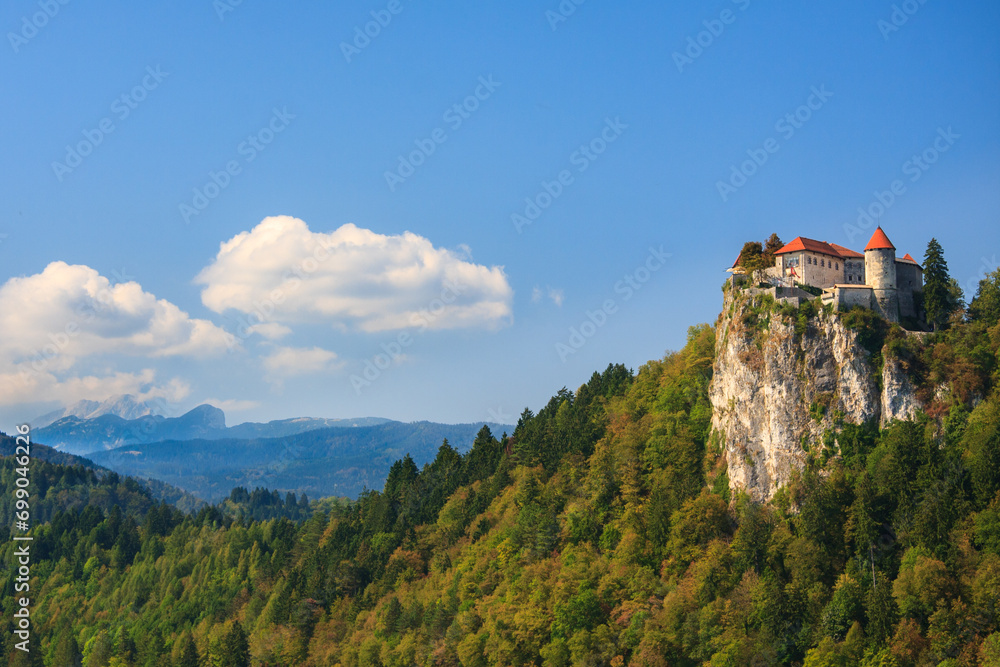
[(198, 453), (125, 406), (107, 430), (324, 462)]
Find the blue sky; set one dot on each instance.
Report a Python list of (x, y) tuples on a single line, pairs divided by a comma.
[(664, 121)]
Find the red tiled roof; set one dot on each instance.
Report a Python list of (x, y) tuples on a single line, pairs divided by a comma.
[(800, 243), (847, 253), (907, 258), (880, 241)]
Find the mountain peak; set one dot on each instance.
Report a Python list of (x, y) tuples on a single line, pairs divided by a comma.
[(126, 406), (206, 415)]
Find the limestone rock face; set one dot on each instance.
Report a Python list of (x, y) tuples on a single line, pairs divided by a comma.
[(899, 400), (775, 392)]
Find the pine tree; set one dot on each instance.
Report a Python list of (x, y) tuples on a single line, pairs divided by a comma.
[(67, 651), (985, 307), (940, 301), (189, 653), (235, 647)]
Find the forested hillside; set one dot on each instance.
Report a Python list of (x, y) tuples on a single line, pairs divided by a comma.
[(601, 532), (84, 476), (341, 461)]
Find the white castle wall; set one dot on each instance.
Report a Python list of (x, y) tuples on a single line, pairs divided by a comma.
[(880, 270)]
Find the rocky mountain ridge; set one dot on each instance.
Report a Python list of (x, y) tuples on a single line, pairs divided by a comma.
[(125, 406), (83, 436)]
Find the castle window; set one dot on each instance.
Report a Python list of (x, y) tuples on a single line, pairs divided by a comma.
[(837, 266), (822, 262)]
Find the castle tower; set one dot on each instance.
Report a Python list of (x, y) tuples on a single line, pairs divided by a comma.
[(880, 273)]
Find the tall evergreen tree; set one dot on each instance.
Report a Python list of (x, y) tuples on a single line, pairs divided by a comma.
[(189, 652), (985, 306), (66, 651), (940, 300), (236, 649)]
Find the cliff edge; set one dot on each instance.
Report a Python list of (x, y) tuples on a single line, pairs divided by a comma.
[(785, 379)]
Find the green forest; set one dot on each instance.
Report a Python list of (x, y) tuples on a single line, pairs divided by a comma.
[(601, 531)]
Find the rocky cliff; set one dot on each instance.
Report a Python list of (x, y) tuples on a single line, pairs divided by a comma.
[(783, 380)]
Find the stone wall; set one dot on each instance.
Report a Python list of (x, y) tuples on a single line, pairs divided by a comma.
[(909, 280), (815, 269), (880, 268), (854, 272), (845, 298)]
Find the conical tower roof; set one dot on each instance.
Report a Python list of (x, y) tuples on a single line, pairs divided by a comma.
[(879, 241)]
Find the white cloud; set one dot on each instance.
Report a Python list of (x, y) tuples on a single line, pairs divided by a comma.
[(289, 361), (270, 330), (280, 271), (54, 319), (27, 386), (555, 295)]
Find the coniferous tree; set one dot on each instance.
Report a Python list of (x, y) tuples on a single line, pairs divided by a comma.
[(985, 306), (67, 650), (188, 653), (235, 648), (940, 300)]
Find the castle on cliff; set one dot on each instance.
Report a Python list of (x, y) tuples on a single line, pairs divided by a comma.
[(877, 279)]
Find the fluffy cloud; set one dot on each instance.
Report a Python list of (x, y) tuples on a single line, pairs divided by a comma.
[(289, 361), (26, 385), (280, 271), (53, 319)]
